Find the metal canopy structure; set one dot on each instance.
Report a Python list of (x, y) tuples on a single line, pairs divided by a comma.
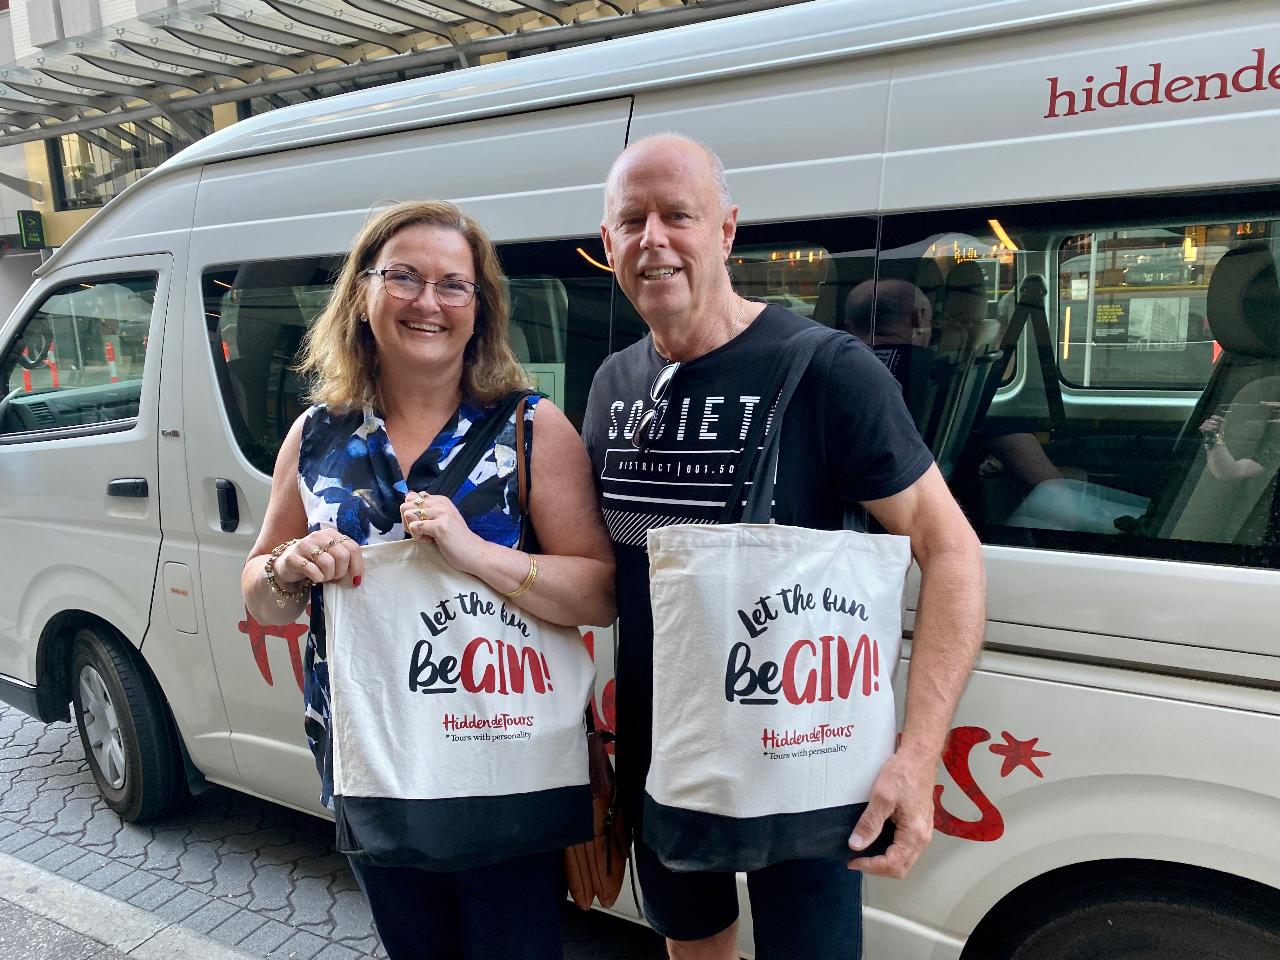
[(191, 56)]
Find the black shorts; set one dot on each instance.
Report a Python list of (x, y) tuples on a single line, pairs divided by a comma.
[(800, 909)]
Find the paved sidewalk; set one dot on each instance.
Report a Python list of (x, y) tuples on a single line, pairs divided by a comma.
[(26, 935), (243, 872), (46, 917)]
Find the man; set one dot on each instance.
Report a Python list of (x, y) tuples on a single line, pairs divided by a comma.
[(890, 312), (662, 439)]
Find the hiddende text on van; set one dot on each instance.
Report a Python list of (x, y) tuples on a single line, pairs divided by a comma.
[(1253, 77)]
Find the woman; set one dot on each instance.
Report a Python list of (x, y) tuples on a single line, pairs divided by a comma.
[(410, 355)]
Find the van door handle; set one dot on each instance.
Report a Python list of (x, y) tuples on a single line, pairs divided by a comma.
[(228, 505), (135, 487)]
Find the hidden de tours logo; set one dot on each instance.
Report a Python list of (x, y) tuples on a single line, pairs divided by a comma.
[(1154, 83), (821, 670), (486, 666)]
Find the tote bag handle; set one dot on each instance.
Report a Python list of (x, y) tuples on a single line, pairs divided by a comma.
[(759, 458)]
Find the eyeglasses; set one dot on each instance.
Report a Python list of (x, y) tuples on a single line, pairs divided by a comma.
[(407, 285), (650, 420)]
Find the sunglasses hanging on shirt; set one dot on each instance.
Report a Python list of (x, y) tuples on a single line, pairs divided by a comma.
[(651, 419)]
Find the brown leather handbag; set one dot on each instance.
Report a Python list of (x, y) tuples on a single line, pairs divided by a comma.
[(594, 870)]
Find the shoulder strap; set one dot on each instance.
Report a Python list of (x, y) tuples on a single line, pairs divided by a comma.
[(760, 453), (477, 441), (522, 471)]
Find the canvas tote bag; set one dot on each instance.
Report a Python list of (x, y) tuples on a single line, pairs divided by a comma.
[(456, 717), (773, 649)]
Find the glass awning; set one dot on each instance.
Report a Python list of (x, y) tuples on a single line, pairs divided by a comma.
[(197, 54)]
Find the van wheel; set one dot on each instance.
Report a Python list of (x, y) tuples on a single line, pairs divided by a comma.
[(128, 736), (1138, 928)]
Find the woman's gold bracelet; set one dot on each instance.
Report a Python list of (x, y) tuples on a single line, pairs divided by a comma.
[(269, 571), (528, 580)]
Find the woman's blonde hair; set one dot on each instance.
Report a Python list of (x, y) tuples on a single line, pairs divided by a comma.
[(339, 353)]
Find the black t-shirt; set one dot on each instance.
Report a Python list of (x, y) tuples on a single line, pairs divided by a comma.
[(846, 437)]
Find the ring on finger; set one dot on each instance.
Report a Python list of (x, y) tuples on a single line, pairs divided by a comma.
[(420, 515), (331, 543), (315, 553)]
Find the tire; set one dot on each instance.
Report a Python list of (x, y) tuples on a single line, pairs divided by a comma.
[(128, 736), (1138, 926)]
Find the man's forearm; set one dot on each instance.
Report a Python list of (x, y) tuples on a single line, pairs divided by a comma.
[(950, 621)]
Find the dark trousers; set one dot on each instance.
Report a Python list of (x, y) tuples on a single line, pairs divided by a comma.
[(800, 909), (509, 910)]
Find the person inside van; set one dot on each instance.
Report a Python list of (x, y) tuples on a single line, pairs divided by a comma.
[(895, 318), (1222, 463), (409, 356), (889, 313)]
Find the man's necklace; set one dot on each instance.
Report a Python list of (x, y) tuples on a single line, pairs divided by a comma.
[(733, 332)]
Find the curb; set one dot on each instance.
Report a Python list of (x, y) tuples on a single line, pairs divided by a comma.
[(100, 917)]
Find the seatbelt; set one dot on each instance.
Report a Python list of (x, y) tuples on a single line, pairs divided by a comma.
[(1029, 307), (1048, 365)]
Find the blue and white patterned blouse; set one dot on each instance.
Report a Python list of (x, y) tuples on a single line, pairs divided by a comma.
[(349, 478)]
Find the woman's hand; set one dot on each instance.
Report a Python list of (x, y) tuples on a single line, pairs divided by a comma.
[(432, 518), (320, 557)]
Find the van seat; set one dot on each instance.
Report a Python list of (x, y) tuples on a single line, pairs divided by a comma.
[(1243, 307)]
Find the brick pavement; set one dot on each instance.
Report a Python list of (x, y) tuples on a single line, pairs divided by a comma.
[(240, 870)]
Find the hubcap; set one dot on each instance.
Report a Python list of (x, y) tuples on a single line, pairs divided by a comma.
[(102, 727)]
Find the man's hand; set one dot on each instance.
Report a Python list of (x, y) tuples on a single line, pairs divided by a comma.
[(903, 793)]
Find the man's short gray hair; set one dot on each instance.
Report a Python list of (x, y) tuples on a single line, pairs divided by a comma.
[(717, 166)]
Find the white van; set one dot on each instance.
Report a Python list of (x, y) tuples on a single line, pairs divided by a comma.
[(1086, 195)]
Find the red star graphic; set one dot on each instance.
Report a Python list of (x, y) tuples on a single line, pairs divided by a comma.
[(1018, 753)]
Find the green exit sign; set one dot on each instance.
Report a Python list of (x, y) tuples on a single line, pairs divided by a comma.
[(31, 229)]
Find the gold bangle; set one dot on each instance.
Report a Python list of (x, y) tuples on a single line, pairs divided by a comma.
[(269, 572), (528, 580)]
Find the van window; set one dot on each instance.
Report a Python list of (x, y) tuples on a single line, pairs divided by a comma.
[(1131, 304), (561, 292), (255, 316), (1144, 418), (77, 360), (790, 276), (810, 267)]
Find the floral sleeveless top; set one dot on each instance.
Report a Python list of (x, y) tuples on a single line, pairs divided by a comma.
[(349, 478)]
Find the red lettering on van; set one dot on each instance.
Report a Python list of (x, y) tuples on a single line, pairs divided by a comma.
[(604, 712), (291, 633), (1150, 87), (955, 758)]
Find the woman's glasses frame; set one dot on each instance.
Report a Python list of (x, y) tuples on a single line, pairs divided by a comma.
[(651, 419), (406, 285)]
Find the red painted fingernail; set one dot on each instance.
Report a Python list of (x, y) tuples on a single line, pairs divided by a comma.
[(355, 581)]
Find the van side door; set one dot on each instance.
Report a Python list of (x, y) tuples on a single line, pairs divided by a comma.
[(80, 518)]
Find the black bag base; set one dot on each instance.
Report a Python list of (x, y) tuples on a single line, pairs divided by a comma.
[(689, 841), (459, 833)]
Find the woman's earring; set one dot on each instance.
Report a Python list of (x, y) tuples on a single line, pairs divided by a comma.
[(364, 318)]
